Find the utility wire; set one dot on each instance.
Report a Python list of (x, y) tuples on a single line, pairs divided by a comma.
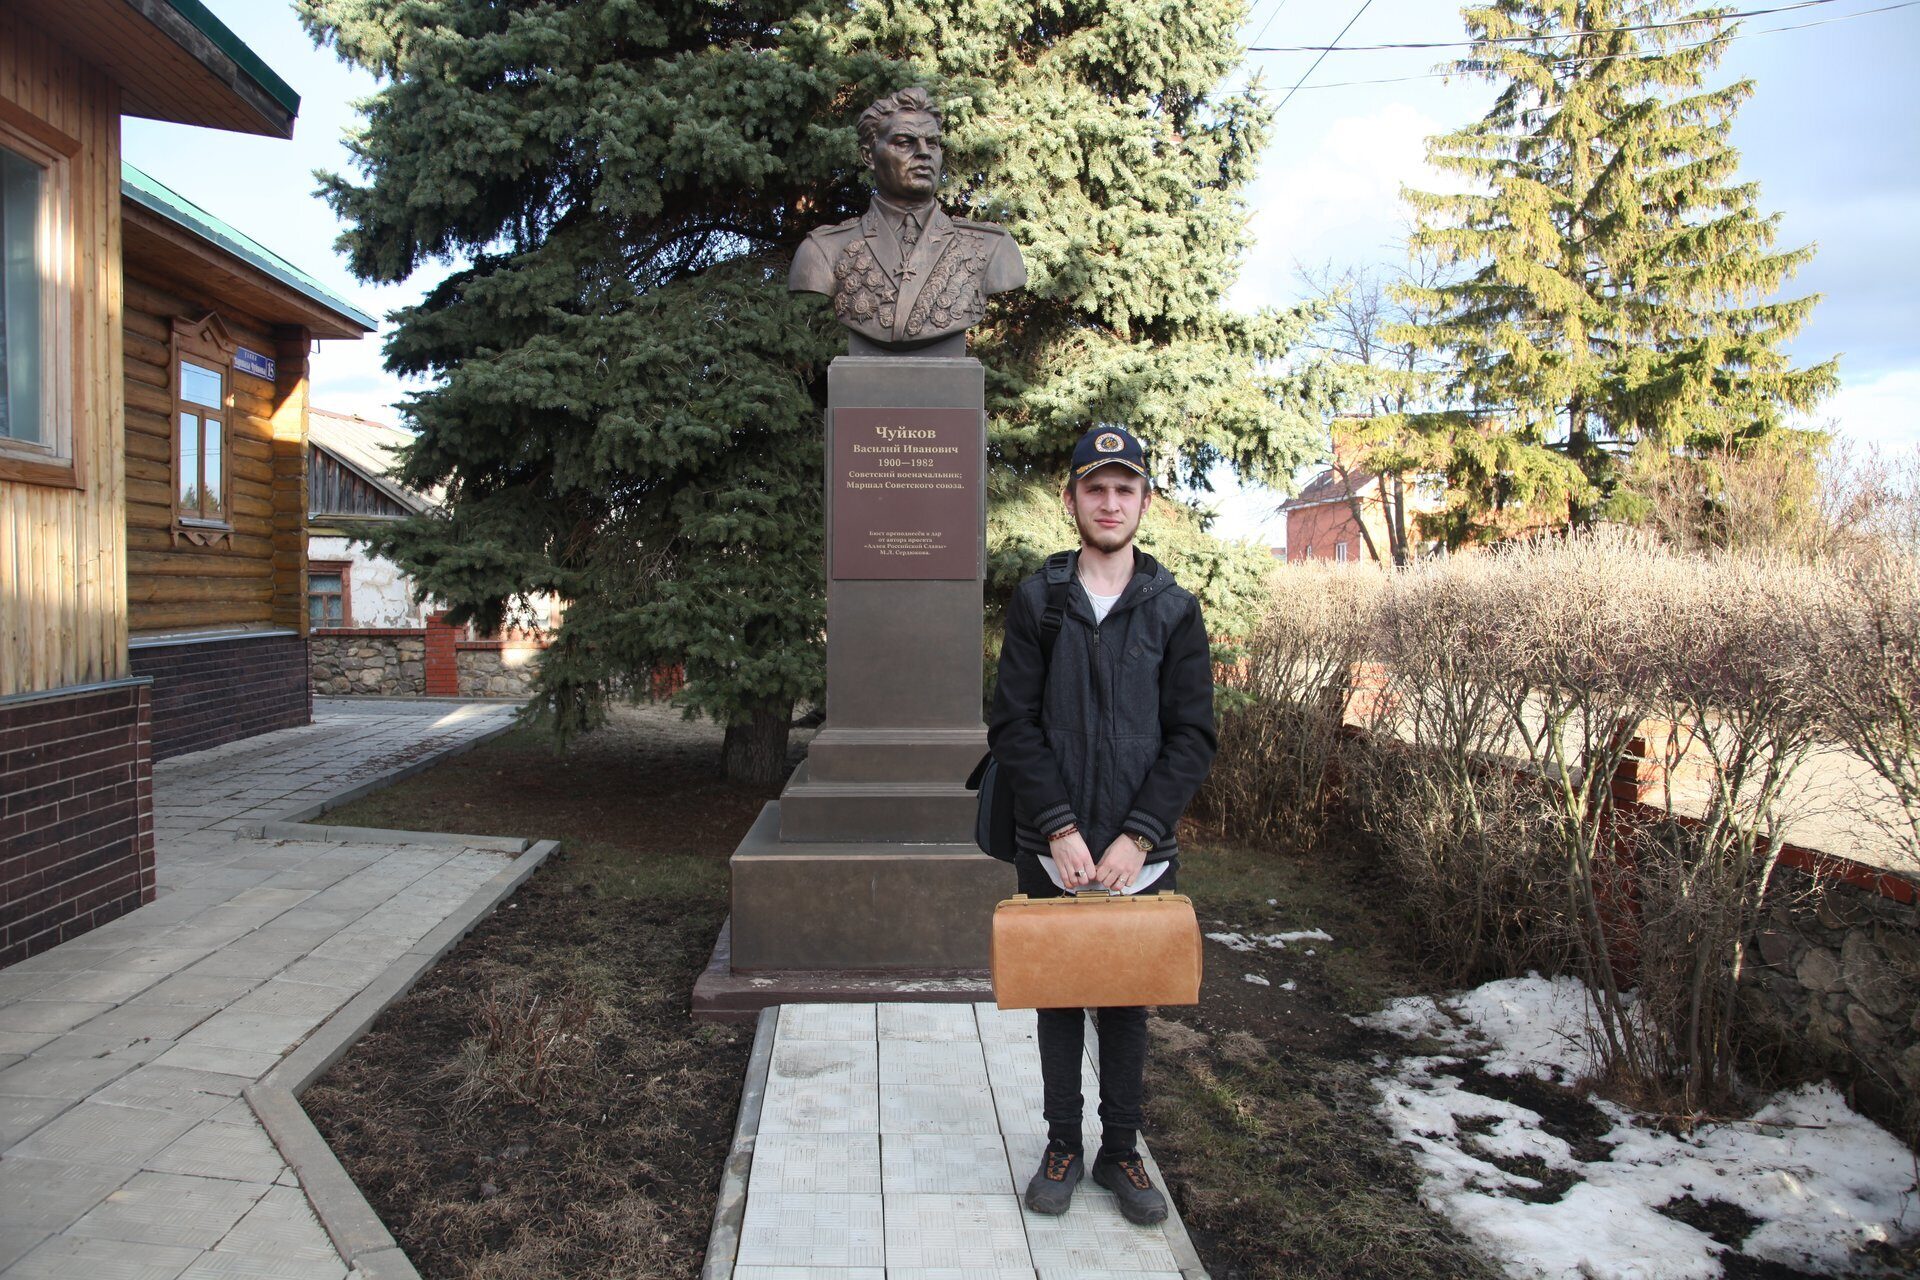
[(1709, 16), (1571, 60), (1364, 4), (1269, 22)]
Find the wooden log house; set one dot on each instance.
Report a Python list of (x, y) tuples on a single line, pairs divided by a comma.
[(101, 569), (217, 330)]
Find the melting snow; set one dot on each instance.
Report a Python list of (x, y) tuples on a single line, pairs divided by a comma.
[(1278, 941), (1821, 1178), (1256, 980)]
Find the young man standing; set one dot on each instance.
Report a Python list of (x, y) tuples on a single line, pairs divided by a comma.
[(1104, 747)]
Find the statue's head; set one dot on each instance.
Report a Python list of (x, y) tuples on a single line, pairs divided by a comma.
[(900, 142)]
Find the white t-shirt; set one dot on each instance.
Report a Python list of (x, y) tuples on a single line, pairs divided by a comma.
[(1150, 872)]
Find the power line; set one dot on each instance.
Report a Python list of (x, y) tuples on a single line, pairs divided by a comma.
[(1323, 56), (1571, 59), (1337, 47), (1269, 22)]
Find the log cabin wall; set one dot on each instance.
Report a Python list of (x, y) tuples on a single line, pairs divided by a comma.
[(173, 584), (63, 610), (220, 628)]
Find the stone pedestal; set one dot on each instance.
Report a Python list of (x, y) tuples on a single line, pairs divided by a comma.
[(866, 865)]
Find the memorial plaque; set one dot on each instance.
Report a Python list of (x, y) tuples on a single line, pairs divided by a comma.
[(906, 489)]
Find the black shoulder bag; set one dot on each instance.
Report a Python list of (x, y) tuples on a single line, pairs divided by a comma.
[(993, 821)]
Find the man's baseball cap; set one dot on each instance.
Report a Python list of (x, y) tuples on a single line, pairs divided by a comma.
[(1109, 444)]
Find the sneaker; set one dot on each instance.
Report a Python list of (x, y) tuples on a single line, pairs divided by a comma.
[(1051, 1189), (1126, 1176)]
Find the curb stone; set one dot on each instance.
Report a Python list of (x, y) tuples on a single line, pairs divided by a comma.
[(363, 1241), (350, 1222), (730, 1206)]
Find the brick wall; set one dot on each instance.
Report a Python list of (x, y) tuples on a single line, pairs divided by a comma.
[(76, 813), (212, 691)]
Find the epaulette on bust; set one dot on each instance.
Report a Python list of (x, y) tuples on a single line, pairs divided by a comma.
[(971, 225)]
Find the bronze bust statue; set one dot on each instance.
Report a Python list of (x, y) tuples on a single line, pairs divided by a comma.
[(904, 274)]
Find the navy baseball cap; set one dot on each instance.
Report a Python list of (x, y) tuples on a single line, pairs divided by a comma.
[(1109, 444)]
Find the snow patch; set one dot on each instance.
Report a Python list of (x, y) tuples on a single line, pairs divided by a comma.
[(1821, 1179), (1278, 941), (1259, 981)]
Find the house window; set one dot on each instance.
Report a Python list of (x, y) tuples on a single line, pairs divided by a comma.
[(36, 366), (1340, 552), (202, 410), (328, 591)]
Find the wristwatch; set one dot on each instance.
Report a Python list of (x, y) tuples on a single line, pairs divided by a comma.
[(1146, 845)]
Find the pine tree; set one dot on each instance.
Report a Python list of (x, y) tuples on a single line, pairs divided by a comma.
[(1617, 278), (627, 403)]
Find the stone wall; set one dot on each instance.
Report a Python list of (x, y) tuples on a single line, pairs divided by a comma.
[(1839, 979), (489, 670), (370, 662)]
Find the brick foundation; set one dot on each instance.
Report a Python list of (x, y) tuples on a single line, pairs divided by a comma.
[(76, 813), (206, 692)]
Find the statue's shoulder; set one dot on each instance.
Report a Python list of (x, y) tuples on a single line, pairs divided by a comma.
[(981, 228), (834, 230)]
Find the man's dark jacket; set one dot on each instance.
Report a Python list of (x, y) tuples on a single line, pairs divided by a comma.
[(1125, 736)]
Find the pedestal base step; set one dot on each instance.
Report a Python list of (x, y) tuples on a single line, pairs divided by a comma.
[(813, 810), (721, 995), (864, 907)]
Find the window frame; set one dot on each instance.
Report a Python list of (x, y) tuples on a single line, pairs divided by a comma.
[(207, 343), (345, 569), (56, 459)]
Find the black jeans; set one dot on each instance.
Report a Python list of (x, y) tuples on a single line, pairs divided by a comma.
[(1123, 1049)]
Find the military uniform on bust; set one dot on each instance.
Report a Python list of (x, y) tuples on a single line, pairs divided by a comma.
[(904, 274)]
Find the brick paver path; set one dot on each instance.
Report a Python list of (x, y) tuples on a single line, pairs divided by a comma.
[(126, 1150), (895, 1141)]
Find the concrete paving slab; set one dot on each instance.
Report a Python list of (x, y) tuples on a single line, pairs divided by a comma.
[(52, 1194), (954, 1158), (213, 1149), (54, 1077), (50, 1017), (95, 985), (164, 1208), (199, 1094), (21, 1116), (81, 1258), (93, 1131)]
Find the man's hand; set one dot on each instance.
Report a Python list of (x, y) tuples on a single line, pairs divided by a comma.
[(1120, 864), (1072, 859)]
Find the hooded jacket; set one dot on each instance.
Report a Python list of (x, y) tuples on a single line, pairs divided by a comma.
[(1124, 734)]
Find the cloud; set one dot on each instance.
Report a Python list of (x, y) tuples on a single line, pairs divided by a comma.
[(1882, 411), (1337, 200)]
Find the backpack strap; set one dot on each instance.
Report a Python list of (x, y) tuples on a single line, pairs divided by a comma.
[(1059, 582)]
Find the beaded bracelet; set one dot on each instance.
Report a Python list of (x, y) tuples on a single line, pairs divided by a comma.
[(1063, 832)]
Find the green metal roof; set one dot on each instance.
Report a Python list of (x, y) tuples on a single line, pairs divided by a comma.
[(234, 47), (176, 208)]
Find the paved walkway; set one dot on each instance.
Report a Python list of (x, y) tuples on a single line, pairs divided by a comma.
[(894, 1142), (126, 1150)]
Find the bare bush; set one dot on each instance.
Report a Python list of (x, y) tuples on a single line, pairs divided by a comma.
[(1861, 634), (1280, 725), (1431, 779), (1738, 718), (524, 1044)]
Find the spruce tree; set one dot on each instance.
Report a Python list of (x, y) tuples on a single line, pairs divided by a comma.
[(1616, 277), (626, 407)]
